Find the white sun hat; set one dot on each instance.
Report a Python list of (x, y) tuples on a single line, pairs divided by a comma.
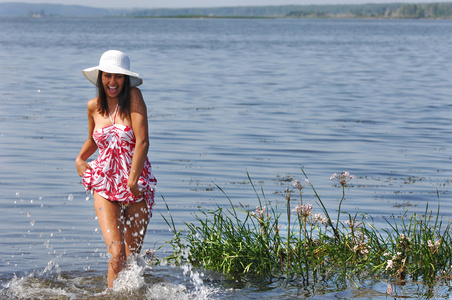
[(114, 62)]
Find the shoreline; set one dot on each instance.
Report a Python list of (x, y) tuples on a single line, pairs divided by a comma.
[(441, 10)]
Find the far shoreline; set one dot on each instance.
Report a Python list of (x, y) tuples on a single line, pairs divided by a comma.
[(391, 11), (276, 17)]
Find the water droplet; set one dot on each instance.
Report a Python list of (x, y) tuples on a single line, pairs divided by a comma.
[(32, 223), (70, 197), (28, 215), (87, 199), (17, 193)]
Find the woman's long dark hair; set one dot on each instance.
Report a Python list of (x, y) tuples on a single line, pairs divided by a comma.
[(123, 98)]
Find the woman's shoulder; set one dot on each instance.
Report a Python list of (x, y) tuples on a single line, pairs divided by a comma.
[(135, 92), (137, 104), (92, 104), (136, 98)]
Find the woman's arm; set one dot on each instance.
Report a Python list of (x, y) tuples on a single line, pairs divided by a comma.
[(139, 120), (89, 147)]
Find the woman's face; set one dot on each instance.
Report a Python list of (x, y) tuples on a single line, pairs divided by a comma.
[(113, 84)]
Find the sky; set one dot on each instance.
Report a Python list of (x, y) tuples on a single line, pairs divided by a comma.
[(208, 3)]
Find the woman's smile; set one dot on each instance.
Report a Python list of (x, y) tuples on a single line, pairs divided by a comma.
[(112, 89), (113, 84)]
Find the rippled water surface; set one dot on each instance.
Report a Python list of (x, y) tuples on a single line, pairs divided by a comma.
[(225, 97)]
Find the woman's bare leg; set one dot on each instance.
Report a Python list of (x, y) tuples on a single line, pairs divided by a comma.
[(111, 221), (136, 222)]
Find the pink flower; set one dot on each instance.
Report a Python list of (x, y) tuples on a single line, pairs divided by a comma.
[(259, 213), (404, 237), (351, 223), (296, 183), (389, 265), (287, 194), (304, 210), (342, 178), (318, 217), (435, 245)]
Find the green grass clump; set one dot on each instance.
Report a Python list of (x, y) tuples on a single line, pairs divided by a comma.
[(296, 244)]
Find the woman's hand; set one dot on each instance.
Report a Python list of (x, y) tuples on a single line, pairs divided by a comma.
[(134, 189), (82, 166)]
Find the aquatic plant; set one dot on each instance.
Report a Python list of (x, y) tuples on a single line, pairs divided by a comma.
[(267, 242)]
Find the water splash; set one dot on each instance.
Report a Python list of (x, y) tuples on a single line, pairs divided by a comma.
[(188, 287), (33, 288), (131, 278), (140, 280), (36, 284)]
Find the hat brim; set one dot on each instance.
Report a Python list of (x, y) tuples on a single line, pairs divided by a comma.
[(92, 73)]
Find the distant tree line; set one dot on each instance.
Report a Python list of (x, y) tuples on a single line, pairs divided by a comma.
[(240, 11), (413, 11), (382, 10), (434, 10)]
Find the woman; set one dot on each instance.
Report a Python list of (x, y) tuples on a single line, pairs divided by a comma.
[(120, 178)]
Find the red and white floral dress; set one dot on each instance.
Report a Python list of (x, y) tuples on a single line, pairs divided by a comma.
[(110, 170)]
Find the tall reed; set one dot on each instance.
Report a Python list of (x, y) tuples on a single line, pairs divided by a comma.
[(267, 242)]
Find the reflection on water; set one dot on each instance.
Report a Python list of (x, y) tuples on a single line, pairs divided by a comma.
[(224, 97)]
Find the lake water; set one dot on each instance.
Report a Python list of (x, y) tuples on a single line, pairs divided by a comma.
[(225, 97)]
